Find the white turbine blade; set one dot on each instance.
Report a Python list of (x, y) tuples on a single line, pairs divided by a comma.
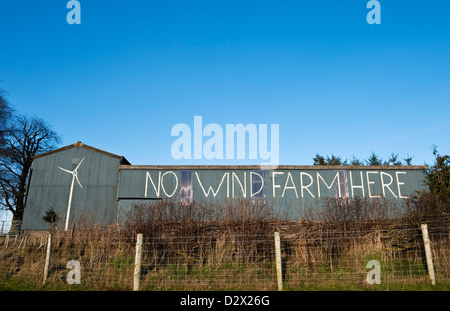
[(78, 165), (65, 170), (76, 176)]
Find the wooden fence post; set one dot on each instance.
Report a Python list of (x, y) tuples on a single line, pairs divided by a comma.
[(7, 240), (47, 258), (429, 257), (137, 263), (278, 261)]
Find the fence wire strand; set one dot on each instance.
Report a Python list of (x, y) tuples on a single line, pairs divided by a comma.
[(317, 258)]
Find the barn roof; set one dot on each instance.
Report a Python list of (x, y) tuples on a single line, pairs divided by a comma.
[(79, 144), (279, 167)]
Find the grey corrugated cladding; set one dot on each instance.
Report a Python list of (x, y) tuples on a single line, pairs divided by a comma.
[(49, 186), (288, 188), (111, 186)]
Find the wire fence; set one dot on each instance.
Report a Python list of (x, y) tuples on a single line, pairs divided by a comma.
[(108, 260), (8, 226)]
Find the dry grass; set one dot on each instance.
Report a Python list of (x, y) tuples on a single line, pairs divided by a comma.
[(230, 246)]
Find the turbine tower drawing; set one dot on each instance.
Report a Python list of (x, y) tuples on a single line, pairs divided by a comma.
[(74, 176)]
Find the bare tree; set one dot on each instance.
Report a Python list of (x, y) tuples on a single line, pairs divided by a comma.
[(5, 116), (26, 137)]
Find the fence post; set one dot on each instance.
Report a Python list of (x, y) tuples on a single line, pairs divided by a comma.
[(21, 241), (137, 263), (7, 240), (47, 258), (426, 242), (278, 261)]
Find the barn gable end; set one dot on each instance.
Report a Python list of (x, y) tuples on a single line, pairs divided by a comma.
[(93, 194)]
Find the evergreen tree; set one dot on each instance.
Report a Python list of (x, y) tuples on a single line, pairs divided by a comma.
[(319, 160), (438, 175), (374, 159)]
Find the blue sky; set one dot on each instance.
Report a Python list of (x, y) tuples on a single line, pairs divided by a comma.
[(133, 69)]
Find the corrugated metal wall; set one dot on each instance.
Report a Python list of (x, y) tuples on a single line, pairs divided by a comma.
[(110, 189), (287, 189), (50, 186)]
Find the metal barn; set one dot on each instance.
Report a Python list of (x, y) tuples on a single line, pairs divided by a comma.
[(79, 179)]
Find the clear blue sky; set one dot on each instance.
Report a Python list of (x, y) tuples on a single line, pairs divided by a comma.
[(133, 69)]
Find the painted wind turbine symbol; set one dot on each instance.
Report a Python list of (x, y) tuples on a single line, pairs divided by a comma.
[(74, 176)]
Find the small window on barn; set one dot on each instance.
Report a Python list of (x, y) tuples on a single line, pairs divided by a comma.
[(187, 187), (258, 187), (75, 162)]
